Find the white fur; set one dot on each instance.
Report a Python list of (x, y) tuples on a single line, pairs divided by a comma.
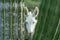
[(30, 23), (31, 20)]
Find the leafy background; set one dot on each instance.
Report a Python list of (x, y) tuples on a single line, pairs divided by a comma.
[(47, 28)]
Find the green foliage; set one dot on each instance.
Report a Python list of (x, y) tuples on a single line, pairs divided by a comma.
[(31, 4), (48, 20)]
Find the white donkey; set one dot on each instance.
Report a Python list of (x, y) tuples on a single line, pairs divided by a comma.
[(31, 20)]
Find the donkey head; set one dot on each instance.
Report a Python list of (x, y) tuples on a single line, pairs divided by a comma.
[(31, 19)]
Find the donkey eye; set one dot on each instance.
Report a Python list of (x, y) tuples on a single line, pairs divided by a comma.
[(26, 22), (33, 22)]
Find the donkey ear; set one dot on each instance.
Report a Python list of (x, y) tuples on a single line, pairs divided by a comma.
[(36, 11), (25, 10)]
